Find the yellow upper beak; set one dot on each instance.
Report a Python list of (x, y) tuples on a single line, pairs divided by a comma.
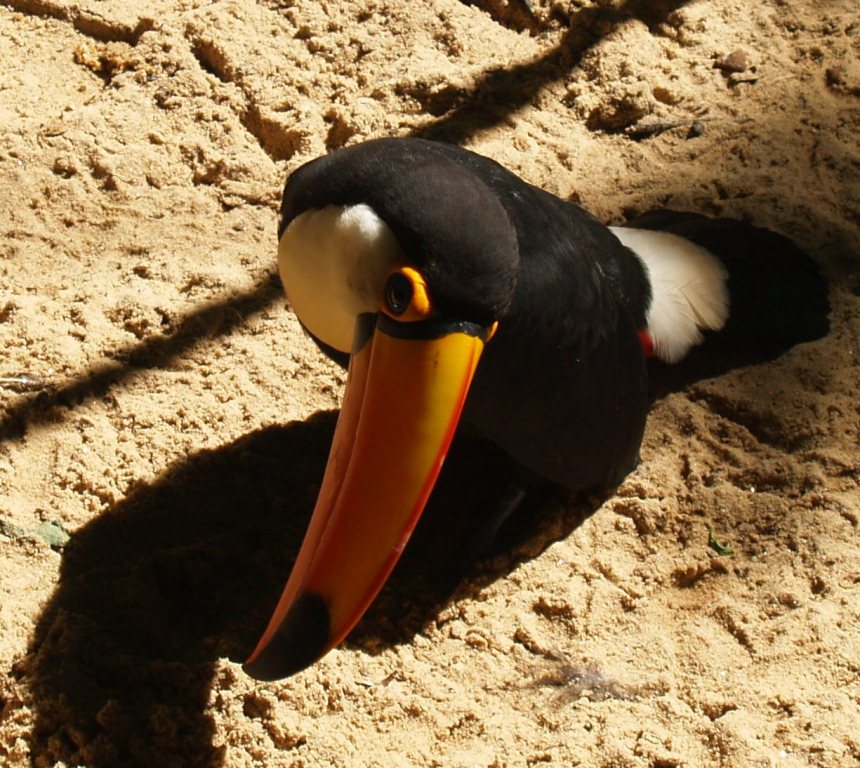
[(406, 388)]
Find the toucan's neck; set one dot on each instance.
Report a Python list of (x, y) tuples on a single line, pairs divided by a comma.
[(578, 269)]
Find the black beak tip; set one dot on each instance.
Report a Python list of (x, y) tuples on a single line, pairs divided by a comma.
[(302, 638)]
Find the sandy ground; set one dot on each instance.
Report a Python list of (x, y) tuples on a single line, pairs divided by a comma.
[(159, 404)]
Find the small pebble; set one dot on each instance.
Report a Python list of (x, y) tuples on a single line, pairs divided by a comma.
[(736, 61)]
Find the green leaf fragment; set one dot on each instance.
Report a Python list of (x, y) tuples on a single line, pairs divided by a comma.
[(53, 535), (720, 549)]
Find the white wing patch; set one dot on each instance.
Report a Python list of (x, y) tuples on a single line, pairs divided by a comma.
[(688, 287), (333, 263)]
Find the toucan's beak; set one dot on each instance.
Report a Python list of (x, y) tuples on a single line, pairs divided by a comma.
[(406, 387)]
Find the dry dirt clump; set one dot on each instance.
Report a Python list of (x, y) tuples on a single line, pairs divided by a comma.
[(160, 405)]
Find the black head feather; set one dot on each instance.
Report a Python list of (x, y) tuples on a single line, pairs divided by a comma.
[(447, 220)]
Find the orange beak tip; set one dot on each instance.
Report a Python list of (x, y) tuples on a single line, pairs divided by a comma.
[(302, 638)]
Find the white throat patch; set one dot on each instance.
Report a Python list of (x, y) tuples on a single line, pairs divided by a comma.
[(688, 289), (334, 263)]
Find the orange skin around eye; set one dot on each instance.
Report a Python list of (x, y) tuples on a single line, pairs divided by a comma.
[(420, 307)]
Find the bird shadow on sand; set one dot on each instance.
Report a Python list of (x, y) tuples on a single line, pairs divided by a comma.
[(157, 588), (185, 570)]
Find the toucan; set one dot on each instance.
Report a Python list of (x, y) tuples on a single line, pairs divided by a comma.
[(461, 296)]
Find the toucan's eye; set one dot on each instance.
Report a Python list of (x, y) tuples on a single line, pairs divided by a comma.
[(406, 297), (398, 293)]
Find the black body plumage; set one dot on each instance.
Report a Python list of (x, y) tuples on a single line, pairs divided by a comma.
[(563, 387)]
